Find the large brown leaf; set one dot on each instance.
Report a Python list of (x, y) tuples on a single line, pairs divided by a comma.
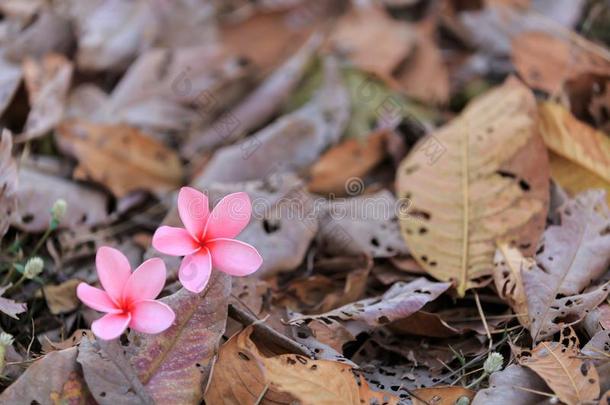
[(573, 380), (569, 258), (246, 374), (175, 364), (8, 181), (481, 178), (120, 157)]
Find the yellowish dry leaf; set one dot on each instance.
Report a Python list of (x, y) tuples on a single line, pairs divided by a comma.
[(481, 178), (580, 155), (120, 157), (572, 379), (508, 265)]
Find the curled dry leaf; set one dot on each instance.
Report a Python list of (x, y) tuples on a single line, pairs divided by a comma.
[(8, 181), (582, 145), (175, 364), (481, 178), (361, 225), (569, 258), (514, 385), (9, 306), (372, 39), (441, 395), (244, 373), (546, 62), (121, 157), (38, 192), (291, 143), (47, 82), (400, 301), (508, 265), (43, 378), (572, 379)]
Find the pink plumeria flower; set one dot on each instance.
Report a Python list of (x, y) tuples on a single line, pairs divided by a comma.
[(129, 298), (208, 240)]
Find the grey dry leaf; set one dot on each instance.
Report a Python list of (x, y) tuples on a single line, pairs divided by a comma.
[(45, 376), (513, 386), (8, 181), (365, 224), (508, 265), (559, 364), (569, 258), (47, 82), (283, 223), (481, 178), (9, 306), (399, 302), (291, 143), (38, 192)]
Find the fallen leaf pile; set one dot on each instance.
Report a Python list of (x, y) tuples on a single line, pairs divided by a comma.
[(429, 182)]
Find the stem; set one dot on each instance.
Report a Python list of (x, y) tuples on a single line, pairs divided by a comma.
[(478, 380), (42, 240)]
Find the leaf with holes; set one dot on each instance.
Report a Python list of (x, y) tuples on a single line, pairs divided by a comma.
[(572, 379), (508, 264), (479, 179), (245, 373), (399, 302), (569, 258)]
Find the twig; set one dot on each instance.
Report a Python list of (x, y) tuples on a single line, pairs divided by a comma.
[(482, 315), (266, 331)]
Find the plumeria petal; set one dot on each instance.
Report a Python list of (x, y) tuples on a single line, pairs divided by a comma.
[(96, 299), (234, 257), (194, 210), (113, 270), (110, 326), (151, 316), (174, 241), (146, 282), (195, 270), (230, 216)]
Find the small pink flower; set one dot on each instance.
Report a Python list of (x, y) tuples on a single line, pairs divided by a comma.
[(208, 240), (129, 298)]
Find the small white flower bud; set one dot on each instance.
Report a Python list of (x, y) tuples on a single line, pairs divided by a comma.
[(493, 363), (33, 267), (462, 401), (59, 209), (6, 339)]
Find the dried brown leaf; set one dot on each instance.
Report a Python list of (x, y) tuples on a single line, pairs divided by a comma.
[(513, 385), (120, 157), (8, 182), (573, 380), (481, 178)]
